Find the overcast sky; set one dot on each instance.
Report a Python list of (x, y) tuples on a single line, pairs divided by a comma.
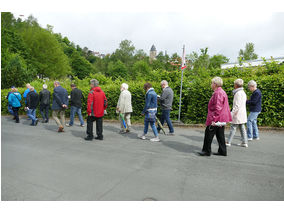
[(222, 32)]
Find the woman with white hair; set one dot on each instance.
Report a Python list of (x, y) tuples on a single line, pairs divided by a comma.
[(239, 113), (124, 108), (254, 108), (217, 117)]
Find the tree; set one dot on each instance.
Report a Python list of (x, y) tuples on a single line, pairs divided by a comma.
[(125, 52), (217, 60), (247, 53), (80, 66), (140, 68), (117, 69)]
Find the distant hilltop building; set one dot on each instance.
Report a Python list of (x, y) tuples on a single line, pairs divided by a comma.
[(98, 54), (153, 53), (252, 63)]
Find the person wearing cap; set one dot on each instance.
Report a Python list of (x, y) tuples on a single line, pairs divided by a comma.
[(96, 106), (124, 108), (14, 100), (59, 105), (31, 105), (44, 99), (10, 110), (76, 105)]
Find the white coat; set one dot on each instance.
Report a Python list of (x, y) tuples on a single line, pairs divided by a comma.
[(124, 102), (239, 110)]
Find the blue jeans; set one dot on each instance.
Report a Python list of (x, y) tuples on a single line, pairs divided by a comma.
[(252, 125), (166, 116), (74, 110), (32, 115), (10, 110), (153, 126)]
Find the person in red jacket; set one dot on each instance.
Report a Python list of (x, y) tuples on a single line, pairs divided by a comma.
[(97, 103)]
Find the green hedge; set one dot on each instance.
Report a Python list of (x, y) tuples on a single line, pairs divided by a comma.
[(196, 93)]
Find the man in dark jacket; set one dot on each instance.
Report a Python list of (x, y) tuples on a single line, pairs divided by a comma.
[(59, 104), (166, 100), (254, 108), (97, 104), (44, 99), (31, 105), (76, 105)]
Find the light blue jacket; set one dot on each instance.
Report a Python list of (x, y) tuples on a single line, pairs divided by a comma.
[(14, 99)]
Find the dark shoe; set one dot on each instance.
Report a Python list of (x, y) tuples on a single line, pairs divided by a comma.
[(217, 153), (36, 122), (43, 121), (14, 118), (203, 153), (17, 121), (60, 129), (46, 121), (88, 138), (32, 124), (99, 138)]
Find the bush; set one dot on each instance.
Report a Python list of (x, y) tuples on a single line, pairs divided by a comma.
[(196, 93)]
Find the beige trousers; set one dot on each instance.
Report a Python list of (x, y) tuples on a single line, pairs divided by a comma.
[(127, 120), (62, 117)]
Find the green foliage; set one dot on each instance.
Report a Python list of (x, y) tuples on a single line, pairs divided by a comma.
[(81, 68), (247, 53)]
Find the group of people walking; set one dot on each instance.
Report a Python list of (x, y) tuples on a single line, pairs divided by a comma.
[(218, 116)]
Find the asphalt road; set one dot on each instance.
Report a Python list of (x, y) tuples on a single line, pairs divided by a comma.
[(40, 164)]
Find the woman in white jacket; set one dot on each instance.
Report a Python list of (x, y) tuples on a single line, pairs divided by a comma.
[(124, 108), (239, 113)]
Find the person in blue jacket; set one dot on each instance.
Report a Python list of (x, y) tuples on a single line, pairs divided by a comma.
[(59, 104), (150, 111), (14, 100), (254, 108), (10, 110)]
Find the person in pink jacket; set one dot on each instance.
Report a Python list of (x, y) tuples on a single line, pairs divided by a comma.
[(218, 115)]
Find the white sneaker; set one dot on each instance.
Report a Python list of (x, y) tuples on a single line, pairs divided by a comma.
[(68, 125), (243, 145), (143, 137), (228, 144), (156, 139), (257, 139), (249, 139)]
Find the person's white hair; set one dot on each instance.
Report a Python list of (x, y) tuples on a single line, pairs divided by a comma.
[(218, 81), (239, 82), (164, 82), (252, 83), (44, 86), (125, 86), (57, 82)]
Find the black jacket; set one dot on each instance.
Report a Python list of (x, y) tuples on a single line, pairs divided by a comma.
[(32, 100), (44, 97), (76, 96)]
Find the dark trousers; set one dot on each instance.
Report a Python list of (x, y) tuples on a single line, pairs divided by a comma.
[(44, 111), (210, 131), (99, 126), (166, 117), (16, 114)]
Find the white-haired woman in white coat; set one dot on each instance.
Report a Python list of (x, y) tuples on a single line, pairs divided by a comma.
[(124, 107), (239, 113)]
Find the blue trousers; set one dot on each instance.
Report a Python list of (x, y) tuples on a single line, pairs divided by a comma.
[(153, 126), (10, 110), (166, 117), (252, 125), (74, 110), (32, 115)]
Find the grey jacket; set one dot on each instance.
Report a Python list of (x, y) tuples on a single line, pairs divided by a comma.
[(166, 99)]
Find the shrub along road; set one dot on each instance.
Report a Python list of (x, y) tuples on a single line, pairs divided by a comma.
[(40, 164)]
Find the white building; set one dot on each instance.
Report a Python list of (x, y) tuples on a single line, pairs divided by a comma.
[(252, 63)]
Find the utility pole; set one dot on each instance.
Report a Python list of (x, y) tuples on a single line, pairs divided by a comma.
[(182, 67)]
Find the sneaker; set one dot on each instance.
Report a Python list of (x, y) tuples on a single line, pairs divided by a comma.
[(88, 138), (143, 137), (228, 144), (171, 134), (60, 129), (243, 145), (257, 139), (99, 138), (82, 125), (68, 125), (121, 131), (249, 139), (156, 139)]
